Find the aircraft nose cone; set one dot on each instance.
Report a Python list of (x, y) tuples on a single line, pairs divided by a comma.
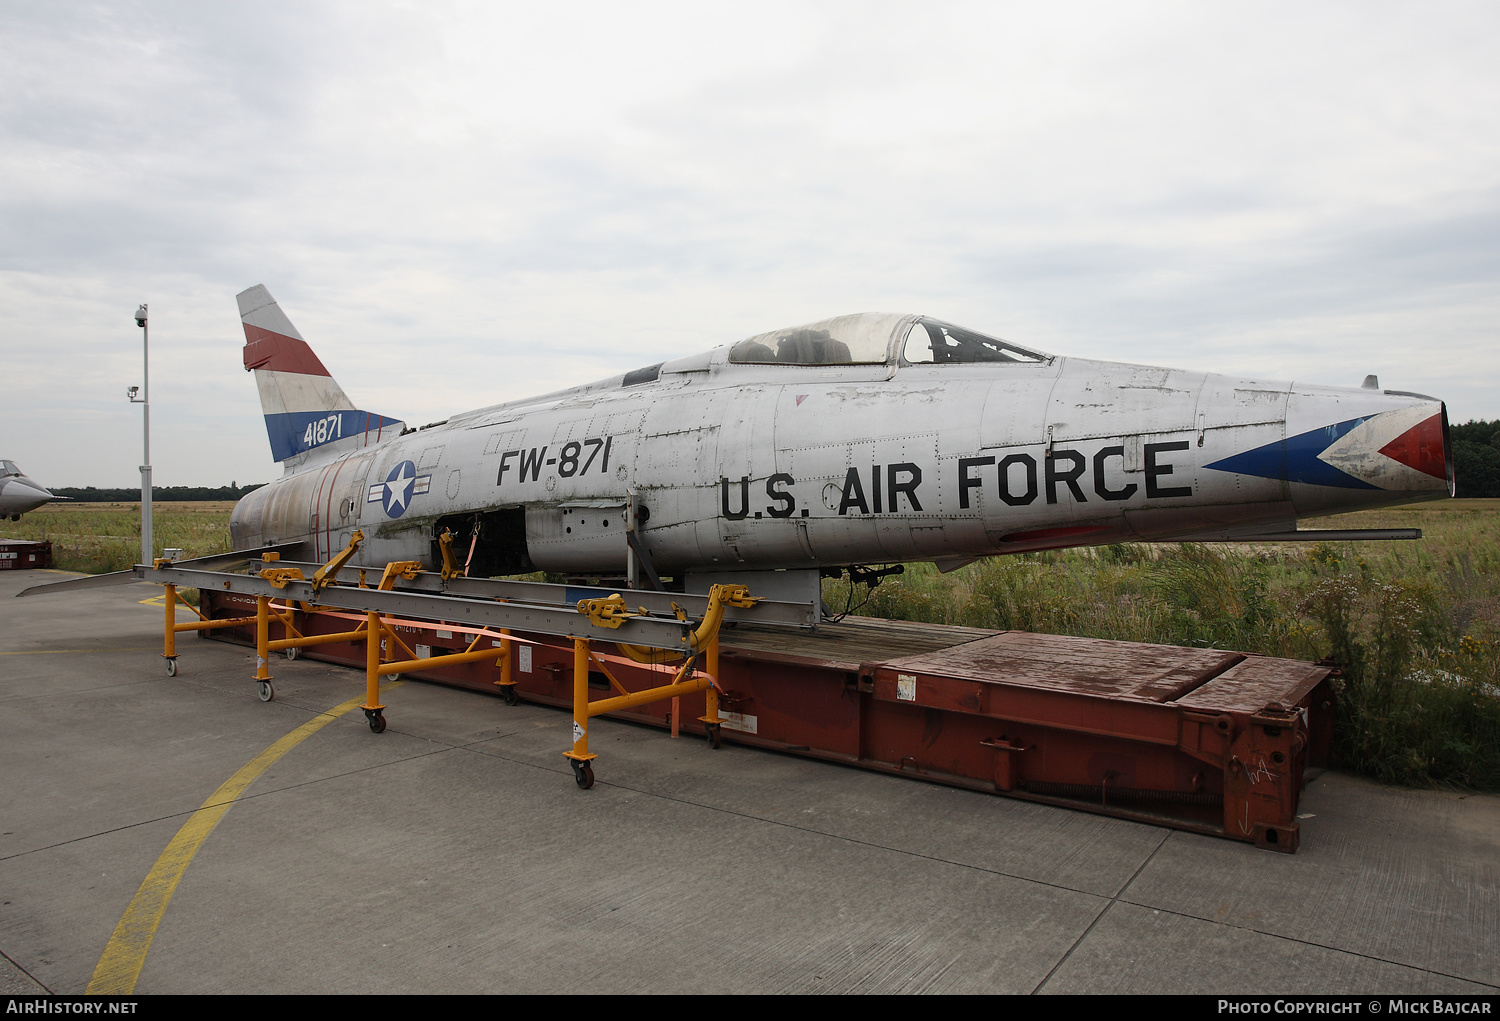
[(1404, 450), (1390, 450), (20, 497), (1422, 447)]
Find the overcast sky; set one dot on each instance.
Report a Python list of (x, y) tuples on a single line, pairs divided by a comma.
[(460, 204)]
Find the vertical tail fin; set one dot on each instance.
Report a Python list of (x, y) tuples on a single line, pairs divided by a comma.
[(304, 408)]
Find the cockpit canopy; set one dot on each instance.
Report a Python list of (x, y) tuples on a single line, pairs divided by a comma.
[(873, 338), (8, 468)]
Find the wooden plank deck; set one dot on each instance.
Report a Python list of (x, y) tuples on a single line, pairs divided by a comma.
[(853, 641)]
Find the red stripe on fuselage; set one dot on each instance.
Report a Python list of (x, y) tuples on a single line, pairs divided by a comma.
[(1421, 447), (267, 350)]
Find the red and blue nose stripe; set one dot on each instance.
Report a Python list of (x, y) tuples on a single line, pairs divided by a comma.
[(1319, 458)]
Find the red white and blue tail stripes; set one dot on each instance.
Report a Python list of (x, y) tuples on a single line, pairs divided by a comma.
[(304, 407)]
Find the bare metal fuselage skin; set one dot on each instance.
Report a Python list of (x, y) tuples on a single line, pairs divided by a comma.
[(759, 467)]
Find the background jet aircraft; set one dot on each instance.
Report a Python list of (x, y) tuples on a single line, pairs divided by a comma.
[(872, 438), (18, 494)]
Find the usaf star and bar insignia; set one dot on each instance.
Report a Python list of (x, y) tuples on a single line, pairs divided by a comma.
[(395, 493)]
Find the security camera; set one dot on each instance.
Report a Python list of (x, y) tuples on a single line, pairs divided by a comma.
[(140, 317), (133, 391)]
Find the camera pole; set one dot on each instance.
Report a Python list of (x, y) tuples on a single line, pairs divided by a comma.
[(145, 402)]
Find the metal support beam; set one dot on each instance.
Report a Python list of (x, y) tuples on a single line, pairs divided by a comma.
[(647, 630), (766, 611)]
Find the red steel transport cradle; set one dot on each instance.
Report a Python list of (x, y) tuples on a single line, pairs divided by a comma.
[(20, 554), (1206, 740)]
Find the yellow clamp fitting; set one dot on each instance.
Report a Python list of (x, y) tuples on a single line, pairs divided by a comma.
[(279, 576), (450, 568), (738, 596), (609, 612), (160, 562), (398, 569), (719, 597), (326, 574)]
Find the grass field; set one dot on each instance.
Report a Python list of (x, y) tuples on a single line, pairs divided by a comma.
[(1415, 625), (97, 538)]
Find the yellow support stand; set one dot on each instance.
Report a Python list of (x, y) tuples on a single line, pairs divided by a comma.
[(375, 667), (710, 717), (169, 641), (686, 682), (263, 649), (580, 755), (611, 613), (507, 681), (372, 707), (171, 627), (265, 612)]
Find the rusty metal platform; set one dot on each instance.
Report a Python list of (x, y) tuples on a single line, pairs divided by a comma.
[(23, 554), (1200, 739)]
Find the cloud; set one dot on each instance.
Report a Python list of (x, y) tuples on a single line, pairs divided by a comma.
[(461, 204)]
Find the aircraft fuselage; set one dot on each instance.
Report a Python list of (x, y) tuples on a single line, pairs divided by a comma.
[(751, 465)]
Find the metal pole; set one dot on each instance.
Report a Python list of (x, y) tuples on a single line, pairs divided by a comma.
[(147, 546)]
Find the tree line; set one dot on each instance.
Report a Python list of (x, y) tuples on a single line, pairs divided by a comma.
[(1476, 457), (92, 494)]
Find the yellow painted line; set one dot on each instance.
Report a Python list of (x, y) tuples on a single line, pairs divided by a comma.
[(124, 955), (161, 601)]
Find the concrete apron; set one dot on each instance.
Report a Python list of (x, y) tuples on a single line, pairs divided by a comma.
[(454, 853)]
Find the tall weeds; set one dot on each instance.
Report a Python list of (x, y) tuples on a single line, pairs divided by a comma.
[(1414, 627), (1417, 700)]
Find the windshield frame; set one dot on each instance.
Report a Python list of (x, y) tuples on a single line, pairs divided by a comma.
[(1005, 352)]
